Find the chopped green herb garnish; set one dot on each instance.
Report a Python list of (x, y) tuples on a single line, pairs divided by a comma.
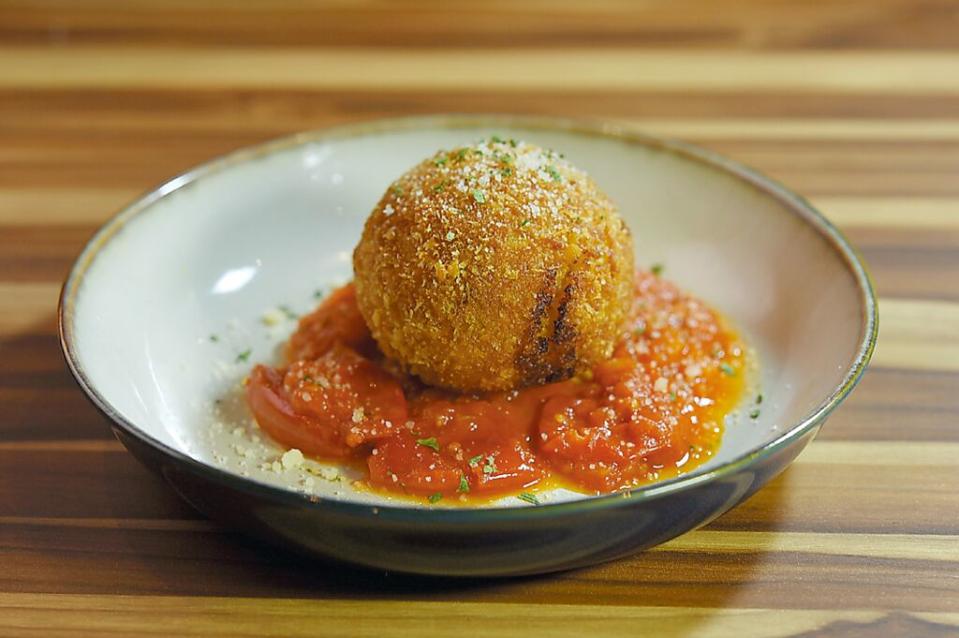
[(317, 294), (243, 356), (439, 161), (435, 498), (727, 369), (286, 310), (464, 485), (214, 338), (656, 269), (672, 397), (506, 172), (641, 330), (529, 498), (461, 154), (479, 195), (490, 467), (754, 414), (430, 443), (759, 399), (554, 173), (439, 187), (524, 223), (512, 142), (397, 189), (475, 460), (496, 139)]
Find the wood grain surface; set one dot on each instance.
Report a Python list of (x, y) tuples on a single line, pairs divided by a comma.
[(855, 104)]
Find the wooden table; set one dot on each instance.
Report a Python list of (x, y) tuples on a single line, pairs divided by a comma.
[(854, 104)]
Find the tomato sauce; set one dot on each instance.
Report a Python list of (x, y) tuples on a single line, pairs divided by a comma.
[(655, 409)]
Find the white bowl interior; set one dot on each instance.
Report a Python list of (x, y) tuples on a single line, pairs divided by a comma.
[(212, 257)]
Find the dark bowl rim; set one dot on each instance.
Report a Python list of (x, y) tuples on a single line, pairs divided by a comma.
[(600, 128)]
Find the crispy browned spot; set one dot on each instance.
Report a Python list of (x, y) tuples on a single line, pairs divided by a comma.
[(548, 350)]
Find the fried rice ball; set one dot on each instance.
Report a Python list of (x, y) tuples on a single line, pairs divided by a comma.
[(494, 266)]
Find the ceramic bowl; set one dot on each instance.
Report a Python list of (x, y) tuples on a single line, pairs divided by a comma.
[(177, 296)]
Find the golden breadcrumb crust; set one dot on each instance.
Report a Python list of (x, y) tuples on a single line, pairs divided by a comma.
[(494, 266)]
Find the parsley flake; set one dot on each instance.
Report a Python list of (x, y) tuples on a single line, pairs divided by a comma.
[(288, 312), (439, 161), (754, 414), (243, 356), (479, 196), (524, 223), (475, 460), (435, 498), (490, 467), (461, 154), (529, 498), (430, 443), (318, 294), (727, 369), (397, 190), (554, 173), (656, 269), (496, 139), (759, 399), (214, 338), (464, 485)]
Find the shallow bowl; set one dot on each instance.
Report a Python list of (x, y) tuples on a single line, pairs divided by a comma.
[(175, 297)]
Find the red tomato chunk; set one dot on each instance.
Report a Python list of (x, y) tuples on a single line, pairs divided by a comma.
[(654, 410)]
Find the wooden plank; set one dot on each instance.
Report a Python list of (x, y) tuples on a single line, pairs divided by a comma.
[(893, 213), (52, 615), (274, 111), (918, 335), (820, 129), (576, 69), (95, 483), (898, 405), (27, 308), (44, 411), (747, 25), (78, 445), (890, 454), (902, 546), (912, 271), (66, 559), (812, 496), (150, 524), (82, 207)]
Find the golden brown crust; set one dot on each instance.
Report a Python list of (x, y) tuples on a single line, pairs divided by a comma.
[(494, 266)]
